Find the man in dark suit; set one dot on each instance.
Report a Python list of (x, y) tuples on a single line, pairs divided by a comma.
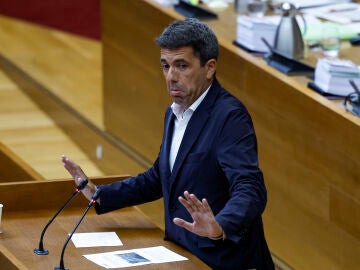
[(207, 168)]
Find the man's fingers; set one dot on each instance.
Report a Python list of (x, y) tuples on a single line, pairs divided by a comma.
[(195, 203), (72, 167), (192, 198), (179, 221), (187, 205), (206, 206), (182, 223)]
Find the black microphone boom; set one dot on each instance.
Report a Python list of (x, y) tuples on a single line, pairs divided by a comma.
[(94, 197), (40, 250)]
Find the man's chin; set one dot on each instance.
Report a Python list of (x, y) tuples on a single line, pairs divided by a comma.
[(178, 101), (175, 95)]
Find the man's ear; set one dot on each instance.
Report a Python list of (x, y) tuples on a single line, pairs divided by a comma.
[(210, 68)]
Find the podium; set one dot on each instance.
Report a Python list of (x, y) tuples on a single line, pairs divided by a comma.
[(29, 205)]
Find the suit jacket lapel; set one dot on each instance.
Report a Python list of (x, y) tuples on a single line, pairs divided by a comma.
[(169, 129), (194, 127)]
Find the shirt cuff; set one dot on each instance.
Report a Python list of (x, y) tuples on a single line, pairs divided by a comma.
[(221, 237)]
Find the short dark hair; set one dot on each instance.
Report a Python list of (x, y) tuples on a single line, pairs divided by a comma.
[(191, 32)]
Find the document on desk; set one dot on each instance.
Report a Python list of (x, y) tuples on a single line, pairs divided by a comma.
[(344, 13), (305, 4), (96, 239), (134, 257)]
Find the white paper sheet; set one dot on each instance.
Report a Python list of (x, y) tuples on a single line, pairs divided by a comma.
[(96, 239), (340, 13), (135, 257), (310, 3)]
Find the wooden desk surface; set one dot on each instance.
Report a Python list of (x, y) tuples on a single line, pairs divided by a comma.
[(22, 229)]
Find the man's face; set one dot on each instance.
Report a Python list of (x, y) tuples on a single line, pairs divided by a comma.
[(185, 78)]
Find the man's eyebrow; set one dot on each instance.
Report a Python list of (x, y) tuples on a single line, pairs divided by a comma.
[(162, 60)]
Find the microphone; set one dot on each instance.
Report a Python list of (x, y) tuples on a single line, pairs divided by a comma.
[(40, 250), (94, 197)]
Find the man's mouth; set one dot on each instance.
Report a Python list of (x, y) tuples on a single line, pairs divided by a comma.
[(175, 91)]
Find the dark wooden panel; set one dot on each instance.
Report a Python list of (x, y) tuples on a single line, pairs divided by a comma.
[(45, 194)]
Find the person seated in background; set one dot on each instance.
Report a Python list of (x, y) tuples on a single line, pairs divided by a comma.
[(207, 169)]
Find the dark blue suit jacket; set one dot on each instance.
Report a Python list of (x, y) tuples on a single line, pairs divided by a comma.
[(217, 160)]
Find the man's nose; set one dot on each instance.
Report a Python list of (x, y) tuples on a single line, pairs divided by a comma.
[(172, 74)]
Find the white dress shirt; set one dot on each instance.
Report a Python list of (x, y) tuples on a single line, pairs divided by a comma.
[(180, 124)]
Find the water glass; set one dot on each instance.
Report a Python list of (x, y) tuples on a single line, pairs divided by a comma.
[(330, 41), (240, 6), (256, 8)]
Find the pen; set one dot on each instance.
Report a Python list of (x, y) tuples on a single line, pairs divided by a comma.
[(342, 9), (354, 86)]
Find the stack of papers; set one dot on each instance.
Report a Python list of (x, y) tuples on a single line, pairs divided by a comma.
[(250, 30), (333, 76), (344, 13), (310, 3)]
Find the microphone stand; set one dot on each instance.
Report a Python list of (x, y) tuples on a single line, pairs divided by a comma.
[(40, 250), (91, 203)]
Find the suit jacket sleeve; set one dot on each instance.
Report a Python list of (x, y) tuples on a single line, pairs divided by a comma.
[(237, 157), (143, 188)]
